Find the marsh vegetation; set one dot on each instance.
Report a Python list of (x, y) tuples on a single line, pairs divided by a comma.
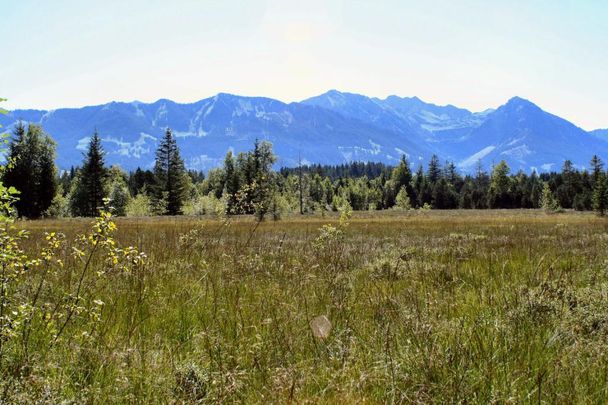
[(421, 306)]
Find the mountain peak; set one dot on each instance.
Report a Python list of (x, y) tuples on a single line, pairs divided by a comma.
[(226, 95), (519, 105), (519, 101)]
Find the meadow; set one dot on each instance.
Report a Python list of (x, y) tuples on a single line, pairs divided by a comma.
[(424, 306)]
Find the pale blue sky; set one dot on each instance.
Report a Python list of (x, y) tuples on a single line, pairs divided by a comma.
[(471, 53)]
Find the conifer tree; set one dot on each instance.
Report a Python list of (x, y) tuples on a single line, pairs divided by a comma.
[(596, 168), (264, 185), (419, 186), (548, 202), (169, 172), (89, 189), (402, 177), (231, 183), (32, 172), (600, 194), (434, 172), (479, 196)]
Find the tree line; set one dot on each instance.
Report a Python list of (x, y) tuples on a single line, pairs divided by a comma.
[(246, 184)]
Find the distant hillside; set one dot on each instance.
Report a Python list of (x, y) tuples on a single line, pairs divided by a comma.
[(330, 128)]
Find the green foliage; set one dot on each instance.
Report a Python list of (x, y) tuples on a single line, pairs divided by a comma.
[(232, 183), (118, 191), (89, 188), (434, 171), (500, 186), (548, 201), (204, 205), (403, 199), (32, 171), (248, 183), (40, 316), (597, 167), (600, 194), (277, 206), (444, 195), (139, 206), (78, 197), (171, 178), (8, 195), (330, 244), (60, 206), (141, 180), (402, 177)]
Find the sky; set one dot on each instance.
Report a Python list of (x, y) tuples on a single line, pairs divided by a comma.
[(474, 54)]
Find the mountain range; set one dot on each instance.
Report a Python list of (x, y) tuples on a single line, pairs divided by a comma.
[(331, 128)]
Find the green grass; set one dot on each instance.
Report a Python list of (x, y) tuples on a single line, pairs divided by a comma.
[(433, 307)]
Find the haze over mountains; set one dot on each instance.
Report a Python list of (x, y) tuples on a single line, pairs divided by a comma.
[(331, 128)]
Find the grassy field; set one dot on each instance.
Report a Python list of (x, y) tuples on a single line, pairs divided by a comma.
[(426, 307)]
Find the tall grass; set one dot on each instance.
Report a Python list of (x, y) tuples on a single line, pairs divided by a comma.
[(435, 307)]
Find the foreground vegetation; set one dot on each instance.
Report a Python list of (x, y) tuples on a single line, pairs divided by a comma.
[(424, 306)]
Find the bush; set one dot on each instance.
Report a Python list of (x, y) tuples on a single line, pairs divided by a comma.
[(203, 205), (60, 206), (139, 206), (403, 200)]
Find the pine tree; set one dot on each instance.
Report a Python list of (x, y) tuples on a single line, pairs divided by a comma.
[(169, 172), (33, 171), (89, 190), (600, 194)]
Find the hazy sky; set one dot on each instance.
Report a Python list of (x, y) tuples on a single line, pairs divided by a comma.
[(471, 53)]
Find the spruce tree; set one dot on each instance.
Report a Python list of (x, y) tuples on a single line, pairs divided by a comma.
[(434, 172), (402, 177), (89, 189), (479, 196), (231, 183), (600, 194), (419, 185), (32, 172), (169, 172), (596, 168), (264, 186)]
